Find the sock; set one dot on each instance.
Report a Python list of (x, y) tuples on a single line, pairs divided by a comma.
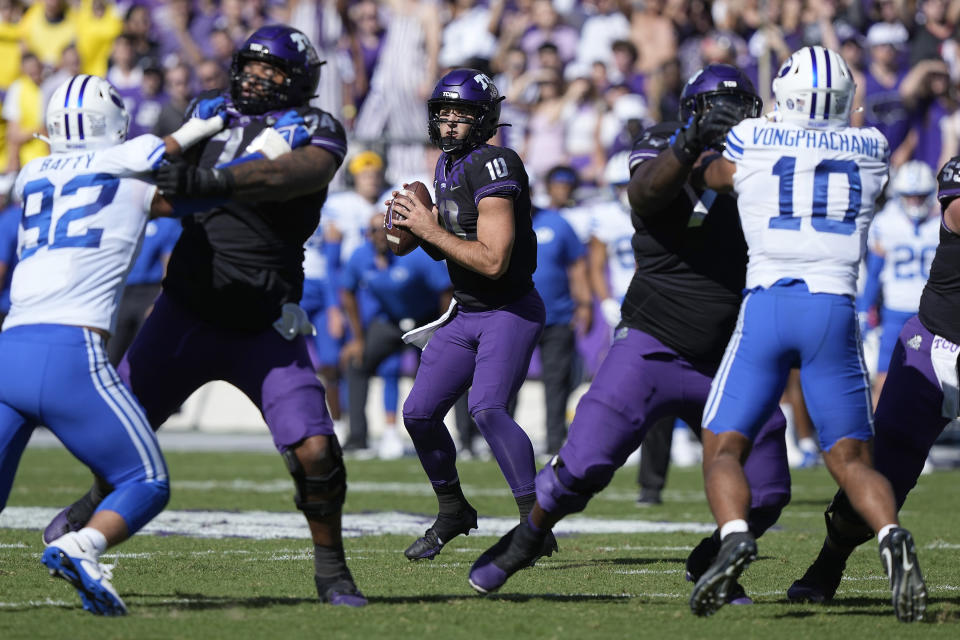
[(525, 504), (884, 531), (450, 497), (807, 445), (329, 562), (93, 539), (733, 526)]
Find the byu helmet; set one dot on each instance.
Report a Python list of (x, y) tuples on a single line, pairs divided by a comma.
[(715, 83), (85, 112), (915, 180), (470, 90), (617, 171), (814, 88), (285, 48)]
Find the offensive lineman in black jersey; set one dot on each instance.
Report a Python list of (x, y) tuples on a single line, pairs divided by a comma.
[(677, 317), (229, 310)]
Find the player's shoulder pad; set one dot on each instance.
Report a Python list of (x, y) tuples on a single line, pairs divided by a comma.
[(948, 181), (651, 142), (484, 153)]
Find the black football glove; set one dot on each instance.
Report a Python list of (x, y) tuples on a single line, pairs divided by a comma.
[(187, 181), (704, 131)]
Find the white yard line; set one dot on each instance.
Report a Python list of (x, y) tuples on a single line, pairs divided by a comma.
[(265, 525)]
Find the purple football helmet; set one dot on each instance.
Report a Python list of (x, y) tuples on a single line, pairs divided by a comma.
[(717, 83), (285, 48), (471, 90)]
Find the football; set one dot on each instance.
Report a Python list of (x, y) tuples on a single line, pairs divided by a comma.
[(402, 241)]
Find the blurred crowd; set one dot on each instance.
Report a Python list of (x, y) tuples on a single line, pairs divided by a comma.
[(581, 80), (579, 76)]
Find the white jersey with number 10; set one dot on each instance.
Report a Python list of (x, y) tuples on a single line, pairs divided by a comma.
[(806, 199)]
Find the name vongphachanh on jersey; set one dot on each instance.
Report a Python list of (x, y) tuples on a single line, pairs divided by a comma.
[(813, 139)]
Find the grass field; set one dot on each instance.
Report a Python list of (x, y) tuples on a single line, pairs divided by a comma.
[(612, 585)]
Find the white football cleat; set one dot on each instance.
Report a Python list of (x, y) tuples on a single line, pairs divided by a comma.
[(69, 558)]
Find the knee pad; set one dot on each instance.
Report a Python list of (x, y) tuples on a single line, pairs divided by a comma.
[(320, 495), (845, 526), (560, 493), (418, 427)]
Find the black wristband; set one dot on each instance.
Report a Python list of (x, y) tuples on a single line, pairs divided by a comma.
[(686, 152)]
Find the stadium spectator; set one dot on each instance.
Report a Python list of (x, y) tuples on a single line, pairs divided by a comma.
[(883, 106), (47, 28), (124, 74), (23, 113), (11, 12), (138, 25), (933, 29), (211, 76), (67, 67), (548, 28), (176, 84), (98, 24)]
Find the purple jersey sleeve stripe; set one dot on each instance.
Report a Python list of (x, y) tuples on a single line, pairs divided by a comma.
[(336, 147), (508, 187), (948, 194)]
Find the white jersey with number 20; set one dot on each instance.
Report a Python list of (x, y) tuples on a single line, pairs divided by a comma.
[(80, 231), (806, 199)]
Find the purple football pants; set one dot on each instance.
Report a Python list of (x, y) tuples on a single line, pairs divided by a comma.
[(909, 415), (639, 382), (489, 352), (175, 353)]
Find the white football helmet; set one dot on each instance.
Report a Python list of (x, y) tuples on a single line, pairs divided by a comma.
[(85, 112), (915, 188), (617, 176), (814, 88)]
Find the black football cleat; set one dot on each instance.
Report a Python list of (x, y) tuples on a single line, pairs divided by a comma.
[(820, 582), (710, 593), (909, 592), (520, 548), (700, 560), (339, 591), (444, 529)]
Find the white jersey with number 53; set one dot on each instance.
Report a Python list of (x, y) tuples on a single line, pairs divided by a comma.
[(80, 231), (806, 199)]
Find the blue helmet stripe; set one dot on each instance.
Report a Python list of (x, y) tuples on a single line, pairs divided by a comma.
[(826, 100), (813, 94), (66, 98), (83, 87)]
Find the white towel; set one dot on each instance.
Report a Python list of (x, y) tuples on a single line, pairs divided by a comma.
[(293, 322), (943, 356), (421, 335)]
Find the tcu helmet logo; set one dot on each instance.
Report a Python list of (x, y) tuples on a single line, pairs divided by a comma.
[(484, 81), (300, 40)]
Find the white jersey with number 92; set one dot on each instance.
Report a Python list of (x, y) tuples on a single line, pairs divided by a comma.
[(80, 231)]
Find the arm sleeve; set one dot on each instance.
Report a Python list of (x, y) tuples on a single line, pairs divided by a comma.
[(871, 288), (651, 143), (948, 182), (139, 155), (733, 149), (326, 133)]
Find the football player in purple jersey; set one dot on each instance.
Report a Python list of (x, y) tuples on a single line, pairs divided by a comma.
[(482, 226), (677, 316), (228, 309), (920, 397)]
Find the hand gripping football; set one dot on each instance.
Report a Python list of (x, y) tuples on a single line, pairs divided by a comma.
[(401, 241)]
